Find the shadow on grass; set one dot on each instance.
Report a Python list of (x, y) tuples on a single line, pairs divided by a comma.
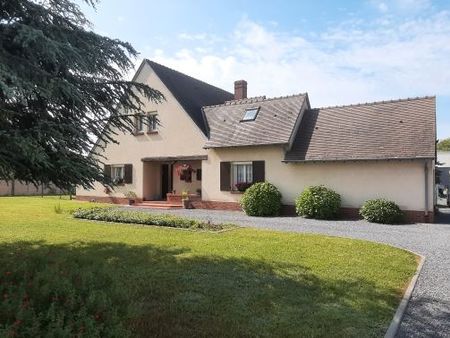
[(101, 289)]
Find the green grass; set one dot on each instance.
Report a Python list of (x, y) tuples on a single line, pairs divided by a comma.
[(60, 276)]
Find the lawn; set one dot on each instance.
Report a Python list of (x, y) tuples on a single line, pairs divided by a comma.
[(61, 276)]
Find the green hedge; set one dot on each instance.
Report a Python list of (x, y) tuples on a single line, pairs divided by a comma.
[(145, 218), (261, 199), (318, 202), (381, 211)]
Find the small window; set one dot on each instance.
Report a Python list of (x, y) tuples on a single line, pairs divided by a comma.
[(152, 120), (241, 174), (250, 114), (117, 174), (139, 123)]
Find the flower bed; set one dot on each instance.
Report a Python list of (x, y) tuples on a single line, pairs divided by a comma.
[(145, 218)]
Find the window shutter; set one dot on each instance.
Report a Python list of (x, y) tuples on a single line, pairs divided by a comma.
[(128, 174), (135, 125), (225, 176), (107, 172), (199, 174), (258, 171)]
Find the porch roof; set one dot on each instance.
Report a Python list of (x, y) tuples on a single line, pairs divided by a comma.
[(175, 158)]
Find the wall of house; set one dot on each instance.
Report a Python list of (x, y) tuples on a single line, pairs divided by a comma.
[(400, 181), (177, 135), (179, 186), (151, 180)]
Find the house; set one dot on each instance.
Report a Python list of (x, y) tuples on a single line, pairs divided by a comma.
[(210, 141)]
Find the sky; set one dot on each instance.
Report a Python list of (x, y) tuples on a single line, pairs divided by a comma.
[(339, 52)]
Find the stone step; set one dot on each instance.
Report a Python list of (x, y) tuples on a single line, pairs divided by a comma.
[(159, 205)]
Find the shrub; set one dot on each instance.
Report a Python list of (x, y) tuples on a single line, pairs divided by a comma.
[(131, 195), (381, 211), (261, 199), (318, 202), (144, 218)]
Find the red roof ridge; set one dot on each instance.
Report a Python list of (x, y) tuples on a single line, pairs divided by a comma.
[(377, 102)]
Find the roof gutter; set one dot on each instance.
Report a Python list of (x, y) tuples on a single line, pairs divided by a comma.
[(244, 145), (359, 159)]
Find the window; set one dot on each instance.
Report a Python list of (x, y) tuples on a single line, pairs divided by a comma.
[(117, 173), (139, 123), (242, 172), (152, 120), (250, 114)]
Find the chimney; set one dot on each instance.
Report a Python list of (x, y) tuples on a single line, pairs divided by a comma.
[(240, 90)]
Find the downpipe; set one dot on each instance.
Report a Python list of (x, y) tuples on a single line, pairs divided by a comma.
[(426, 187)]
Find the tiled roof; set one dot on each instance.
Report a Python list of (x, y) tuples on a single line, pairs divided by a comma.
[(402, 129), (191, 93), (274, 122)]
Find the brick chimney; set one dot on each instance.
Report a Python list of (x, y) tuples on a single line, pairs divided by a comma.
[(240, 90)]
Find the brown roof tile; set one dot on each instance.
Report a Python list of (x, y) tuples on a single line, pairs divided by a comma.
[(402, 129), (273, 124)]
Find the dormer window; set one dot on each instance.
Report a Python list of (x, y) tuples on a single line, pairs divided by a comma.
[(250, 114)]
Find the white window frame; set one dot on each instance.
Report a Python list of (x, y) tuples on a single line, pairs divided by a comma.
[(140, 123), (247, 172), (118, 178), (152, 120), (254, 110)]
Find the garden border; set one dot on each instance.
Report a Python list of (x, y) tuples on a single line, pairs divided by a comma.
[(401, 309)]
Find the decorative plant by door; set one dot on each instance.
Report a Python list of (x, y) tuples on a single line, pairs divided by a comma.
[(184, 172)]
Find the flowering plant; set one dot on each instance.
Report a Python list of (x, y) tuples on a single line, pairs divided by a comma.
[(184, 171), (242, 186)]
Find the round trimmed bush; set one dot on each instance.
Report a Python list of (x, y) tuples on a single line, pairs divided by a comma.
[(261, 199), (381, 211), (318, 202)]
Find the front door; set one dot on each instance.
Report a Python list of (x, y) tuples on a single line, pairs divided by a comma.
[(164, 180)]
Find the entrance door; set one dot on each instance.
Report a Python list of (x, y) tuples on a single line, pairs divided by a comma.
[(164, 180)]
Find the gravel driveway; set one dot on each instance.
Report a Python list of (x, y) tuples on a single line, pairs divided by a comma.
[(428, 313)]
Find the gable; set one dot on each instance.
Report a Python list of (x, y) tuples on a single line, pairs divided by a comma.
[(191, 94)]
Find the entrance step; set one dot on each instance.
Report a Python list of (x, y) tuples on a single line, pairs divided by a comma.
[(159, 205)]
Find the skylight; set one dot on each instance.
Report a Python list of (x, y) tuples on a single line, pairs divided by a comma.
[(250, 114)]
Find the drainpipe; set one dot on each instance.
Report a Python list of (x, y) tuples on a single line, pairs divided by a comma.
[(426, 187)]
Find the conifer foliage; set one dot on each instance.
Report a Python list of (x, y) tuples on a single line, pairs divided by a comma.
[(62, 88)]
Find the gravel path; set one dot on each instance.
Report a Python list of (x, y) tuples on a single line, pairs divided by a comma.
[(428, 313)]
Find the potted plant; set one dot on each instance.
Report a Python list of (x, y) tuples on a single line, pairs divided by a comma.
[(242, 186), (131, 195), (185, 199)]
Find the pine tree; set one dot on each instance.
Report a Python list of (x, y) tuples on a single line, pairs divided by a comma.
[(62, 88)]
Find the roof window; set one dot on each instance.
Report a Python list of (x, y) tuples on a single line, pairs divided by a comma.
[(250, 114)]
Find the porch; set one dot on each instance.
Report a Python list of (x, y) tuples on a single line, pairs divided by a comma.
[(165, 179)]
